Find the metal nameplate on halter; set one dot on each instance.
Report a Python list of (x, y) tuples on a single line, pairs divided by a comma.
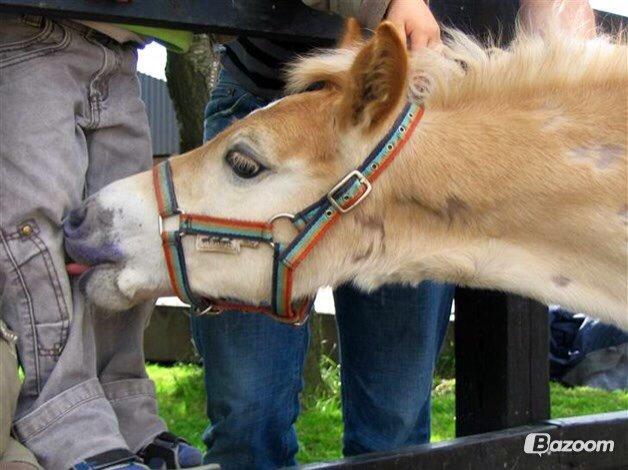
[(217, 244), (223, 244)]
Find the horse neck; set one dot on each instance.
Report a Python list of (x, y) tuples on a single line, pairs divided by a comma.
[(485, 197)]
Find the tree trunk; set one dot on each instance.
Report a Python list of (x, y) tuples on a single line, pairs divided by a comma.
[(189, 83), (313, 360)]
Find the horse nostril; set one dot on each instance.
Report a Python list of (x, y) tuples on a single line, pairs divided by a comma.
[(74, 220)]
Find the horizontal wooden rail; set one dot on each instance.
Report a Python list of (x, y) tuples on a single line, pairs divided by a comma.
[(278, 19), (505, 449)]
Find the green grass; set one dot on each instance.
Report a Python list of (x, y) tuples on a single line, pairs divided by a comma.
[(182, 404), (181, 398), (578, 401)]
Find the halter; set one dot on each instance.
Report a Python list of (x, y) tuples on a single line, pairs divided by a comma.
[(312, 223)]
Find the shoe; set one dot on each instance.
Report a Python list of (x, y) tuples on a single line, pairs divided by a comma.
[(117, 459), (168, 451)]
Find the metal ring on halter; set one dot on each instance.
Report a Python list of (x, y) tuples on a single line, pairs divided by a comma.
[(281, 215)]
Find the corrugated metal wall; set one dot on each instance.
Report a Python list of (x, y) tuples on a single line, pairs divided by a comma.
[(161, 116)]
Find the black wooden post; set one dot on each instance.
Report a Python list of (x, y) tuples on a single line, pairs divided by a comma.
[(502, 366)]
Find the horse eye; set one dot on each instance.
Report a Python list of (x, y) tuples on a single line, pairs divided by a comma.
[(243, 165)]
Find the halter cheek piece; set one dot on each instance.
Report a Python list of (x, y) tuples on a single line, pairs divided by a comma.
[(312, 223)]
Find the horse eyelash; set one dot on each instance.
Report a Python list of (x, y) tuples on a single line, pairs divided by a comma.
[(238, 160)]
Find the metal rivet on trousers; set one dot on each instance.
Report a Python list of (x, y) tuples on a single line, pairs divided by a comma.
[(26, 230)]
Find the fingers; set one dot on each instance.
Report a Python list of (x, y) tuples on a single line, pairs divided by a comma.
[(401, 28), (415, 22), (435, 41), (415, 39), (418, 41), (422, 39)]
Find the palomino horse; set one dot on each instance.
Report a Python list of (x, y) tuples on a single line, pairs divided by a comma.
[(490, 168)]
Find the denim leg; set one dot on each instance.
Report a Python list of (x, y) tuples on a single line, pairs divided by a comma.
[(389, 342), (253, 368), (253, 364)]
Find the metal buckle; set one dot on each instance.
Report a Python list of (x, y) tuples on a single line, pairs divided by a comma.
[(160, 221), (361, 179)]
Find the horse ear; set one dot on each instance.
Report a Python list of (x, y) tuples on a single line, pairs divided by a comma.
[(377, 79), (352, 34)]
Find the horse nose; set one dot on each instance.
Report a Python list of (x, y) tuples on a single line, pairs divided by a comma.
[(73, 222)]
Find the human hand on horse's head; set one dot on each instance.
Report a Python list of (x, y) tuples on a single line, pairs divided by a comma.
[(415, 21)]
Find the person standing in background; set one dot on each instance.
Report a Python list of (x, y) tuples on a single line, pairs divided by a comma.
[(389, 339)]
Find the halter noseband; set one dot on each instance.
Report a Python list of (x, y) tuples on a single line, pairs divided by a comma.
[(312, 223)]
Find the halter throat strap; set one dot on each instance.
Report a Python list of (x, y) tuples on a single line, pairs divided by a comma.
[(312, 224)]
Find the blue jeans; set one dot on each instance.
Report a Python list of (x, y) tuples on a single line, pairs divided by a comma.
[(389, 341)]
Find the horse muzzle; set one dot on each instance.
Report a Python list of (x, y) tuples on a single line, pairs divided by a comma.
[(89, 238)]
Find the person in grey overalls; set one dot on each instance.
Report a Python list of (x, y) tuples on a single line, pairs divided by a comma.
[(72, 121)]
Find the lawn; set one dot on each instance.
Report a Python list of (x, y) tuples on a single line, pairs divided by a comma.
[(182, 404)]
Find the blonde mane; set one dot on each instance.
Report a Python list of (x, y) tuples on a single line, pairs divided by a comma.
[(463, 70)]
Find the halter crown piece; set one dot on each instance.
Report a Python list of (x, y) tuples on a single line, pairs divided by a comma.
[(312, 223)]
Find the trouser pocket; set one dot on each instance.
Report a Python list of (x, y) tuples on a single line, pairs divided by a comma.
[(33, 300), (25, 37)]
